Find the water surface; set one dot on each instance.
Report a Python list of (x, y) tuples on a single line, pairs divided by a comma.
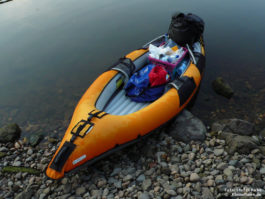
[(51, 51)]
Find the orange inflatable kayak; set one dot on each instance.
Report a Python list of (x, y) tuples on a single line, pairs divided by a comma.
[(105, 119)]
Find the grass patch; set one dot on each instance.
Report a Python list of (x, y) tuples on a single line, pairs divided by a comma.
[(2, 154), (12, 169)]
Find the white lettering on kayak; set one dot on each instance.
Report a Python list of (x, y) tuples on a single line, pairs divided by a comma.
[(79, 159)]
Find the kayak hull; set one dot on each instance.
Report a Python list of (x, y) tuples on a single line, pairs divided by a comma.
[(99, 133)]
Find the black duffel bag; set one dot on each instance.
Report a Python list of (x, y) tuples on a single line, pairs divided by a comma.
[(185, 29)]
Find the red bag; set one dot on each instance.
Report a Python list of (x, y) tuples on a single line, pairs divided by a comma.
[(158, 76)]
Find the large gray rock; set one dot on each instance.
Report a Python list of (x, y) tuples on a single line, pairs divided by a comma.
[(238, 143), (236, 126), (221, 87), (240, 127), (9, 133), (187, 127)]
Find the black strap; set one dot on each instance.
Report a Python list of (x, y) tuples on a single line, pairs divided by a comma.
[(185, 86), (125, 66), (84, 126)]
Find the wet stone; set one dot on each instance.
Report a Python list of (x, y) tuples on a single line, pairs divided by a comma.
[(221, 87), (35, 139), (187, 127), (9, 133)]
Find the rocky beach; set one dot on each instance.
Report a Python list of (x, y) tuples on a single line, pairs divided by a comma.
[(183, 159)]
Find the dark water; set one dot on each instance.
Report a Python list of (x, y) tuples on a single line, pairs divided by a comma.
[(51, 51)]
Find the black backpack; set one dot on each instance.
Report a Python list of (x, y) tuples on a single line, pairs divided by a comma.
[(185, 29)]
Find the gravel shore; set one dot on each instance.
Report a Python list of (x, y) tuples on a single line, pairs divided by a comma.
[(156, 167)]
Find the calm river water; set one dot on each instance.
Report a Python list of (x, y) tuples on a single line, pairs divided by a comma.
[(51, 51)]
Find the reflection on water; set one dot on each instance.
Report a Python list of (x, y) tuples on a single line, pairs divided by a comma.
[(51, 51)]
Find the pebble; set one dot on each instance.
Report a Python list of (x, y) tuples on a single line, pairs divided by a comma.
[(214, 172), (101, 183), (67, 188), (207, 194), (171, 192), (65, 196), (115, 171), (180, 190), (140, 178), (95, 193), (194, 177), (191, 156), (210, 183), (186, 190), (17, 163), (244, 160), (64, 181), (30, 151), (150, 172), (127, 178), (105, 192), (207, 162), (18, 145), (10, 183), (228, 172), (80, 191), (262, 170), (146, 184), (117, 184), (156, 189), (218, 152), (3, 149), (233, 162), (47, 190), (144, 195), (198, 187), (222, 166), (243, 179)]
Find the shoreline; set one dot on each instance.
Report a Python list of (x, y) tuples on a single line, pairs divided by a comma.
[(165, 168)]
